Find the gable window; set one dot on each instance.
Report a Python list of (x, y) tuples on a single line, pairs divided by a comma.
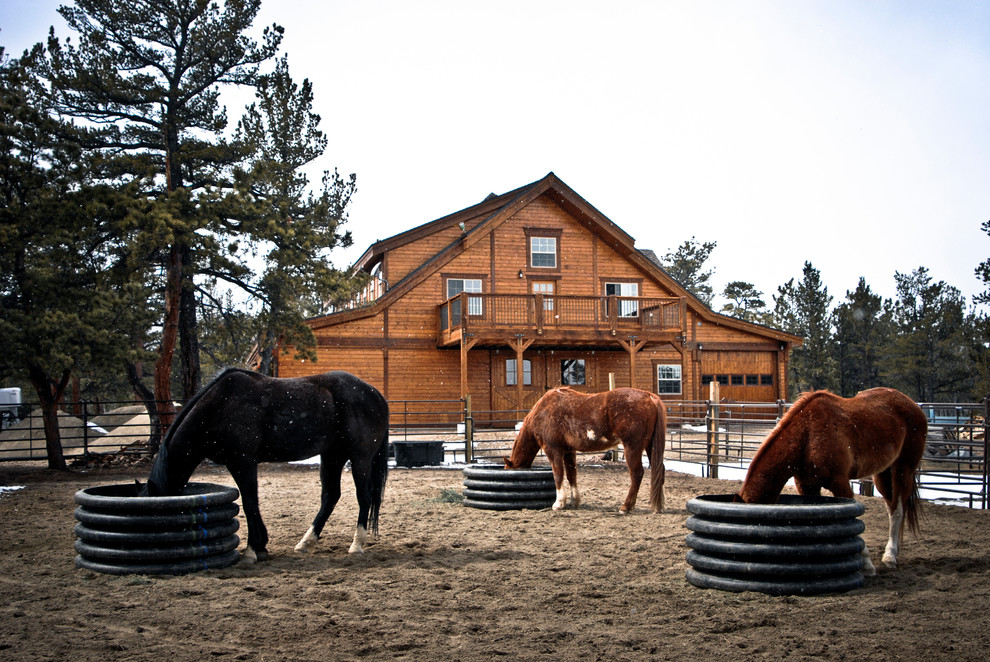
[(510, 372), (669, 379), (457, 285), (543, 252), (572, 372), (626, 308)]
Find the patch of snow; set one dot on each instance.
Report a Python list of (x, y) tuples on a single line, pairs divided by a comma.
[(9, 488), (699, 428)]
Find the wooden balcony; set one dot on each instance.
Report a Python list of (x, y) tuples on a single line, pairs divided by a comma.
[(559, 320)]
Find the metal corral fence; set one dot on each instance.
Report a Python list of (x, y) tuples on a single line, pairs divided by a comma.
[(707, 438)]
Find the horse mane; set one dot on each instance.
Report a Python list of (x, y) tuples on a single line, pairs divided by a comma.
[(188, 405), (799, 405), (803, 400)]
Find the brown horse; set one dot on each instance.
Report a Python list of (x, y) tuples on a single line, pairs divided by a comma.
[(824, 441), (565, 422)]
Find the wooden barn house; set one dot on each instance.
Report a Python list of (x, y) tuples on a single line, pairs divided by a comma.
[(529, 290)]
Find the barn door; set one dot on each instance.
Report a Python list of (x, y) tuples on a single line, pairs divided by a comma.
[(504, 389)]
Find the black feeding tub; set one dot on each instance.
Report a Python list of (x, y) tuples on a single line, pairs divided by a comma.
[(119, 532), (491, 487), (800, 545)]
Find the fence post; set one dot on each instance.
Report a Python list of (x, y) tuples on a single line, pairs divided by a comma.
[(468, 430), (986, 451), (85, 426), (713, 429)]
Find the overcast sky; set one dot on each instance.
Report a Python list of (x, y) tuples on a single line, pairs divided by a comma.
[(851, 134)]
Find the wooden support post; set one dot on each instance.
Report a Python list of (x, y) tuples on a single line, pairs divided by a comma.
[(520, 344), (632, 346), (466, 345)]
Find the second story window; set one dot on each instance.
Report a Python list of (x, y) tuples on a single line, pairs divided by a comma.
[(457, 285), (543, 252), (627, 308)]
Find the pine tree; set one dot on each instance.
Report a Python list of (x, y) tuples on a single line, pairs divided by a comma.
[(64, 253), (803, 310), (983, 273), (863, 328), (745, 302), (299, 228), (929, 356), (687, 266), (145, 81)]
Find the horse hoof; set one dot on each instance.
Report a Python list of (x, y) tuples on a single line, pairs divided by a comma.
[(308, 540), (248, 557), (355, 549)]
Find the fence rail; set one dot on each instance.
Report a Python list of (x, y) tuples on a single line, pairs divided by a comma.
[(711, 439)]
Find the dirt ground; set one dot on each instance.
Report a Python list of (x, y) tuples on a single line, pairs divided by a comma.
[(446, 582)]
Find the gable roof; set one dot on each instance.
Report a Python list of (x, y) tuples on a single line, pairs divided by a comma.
[(494, 210)]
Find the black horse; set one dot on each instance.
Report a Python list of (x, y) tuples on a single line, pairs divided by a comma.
[(242, 418)]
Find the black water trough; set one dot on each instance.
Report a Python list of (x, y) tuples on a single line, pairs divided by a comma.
[(491, 487), (798, 546), (418, 453), (119, 532)]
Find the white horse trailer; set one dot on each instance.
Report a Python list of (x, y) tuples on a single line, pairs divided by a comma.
[(10, 404)]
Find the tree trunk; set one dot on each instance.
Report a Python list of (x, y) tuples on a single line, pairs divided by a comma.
[(147, 396), (170, 332), (267, 343), (50, 394), (188, 332)]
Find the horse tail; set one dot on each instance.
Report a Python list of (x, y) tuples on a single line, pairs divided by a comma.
[(912, 507), (379, 476), (918, 439), (657, 445)]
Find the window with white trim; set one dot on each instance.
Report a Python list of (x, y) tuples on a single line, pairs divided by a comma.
[(457, 285), (543, 252), (626, 308), (669, 379)]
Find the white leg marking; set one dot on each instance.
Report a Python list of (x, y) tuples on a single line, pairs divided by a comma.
[(360, 537), (894, 537), (561, 499), (868, 568), (575, 496), (308, 541), (248, 556)]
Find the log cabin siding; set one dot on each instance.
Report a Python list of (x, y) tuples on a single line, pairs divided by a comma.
[(395, 342)]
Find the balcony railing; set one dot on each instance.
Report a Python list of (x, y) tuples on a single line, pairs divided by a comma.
[(599, 317), (373, 289)]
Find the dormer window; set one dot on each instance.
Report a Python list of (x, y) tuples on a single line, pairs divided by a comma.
[(543, 252)]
